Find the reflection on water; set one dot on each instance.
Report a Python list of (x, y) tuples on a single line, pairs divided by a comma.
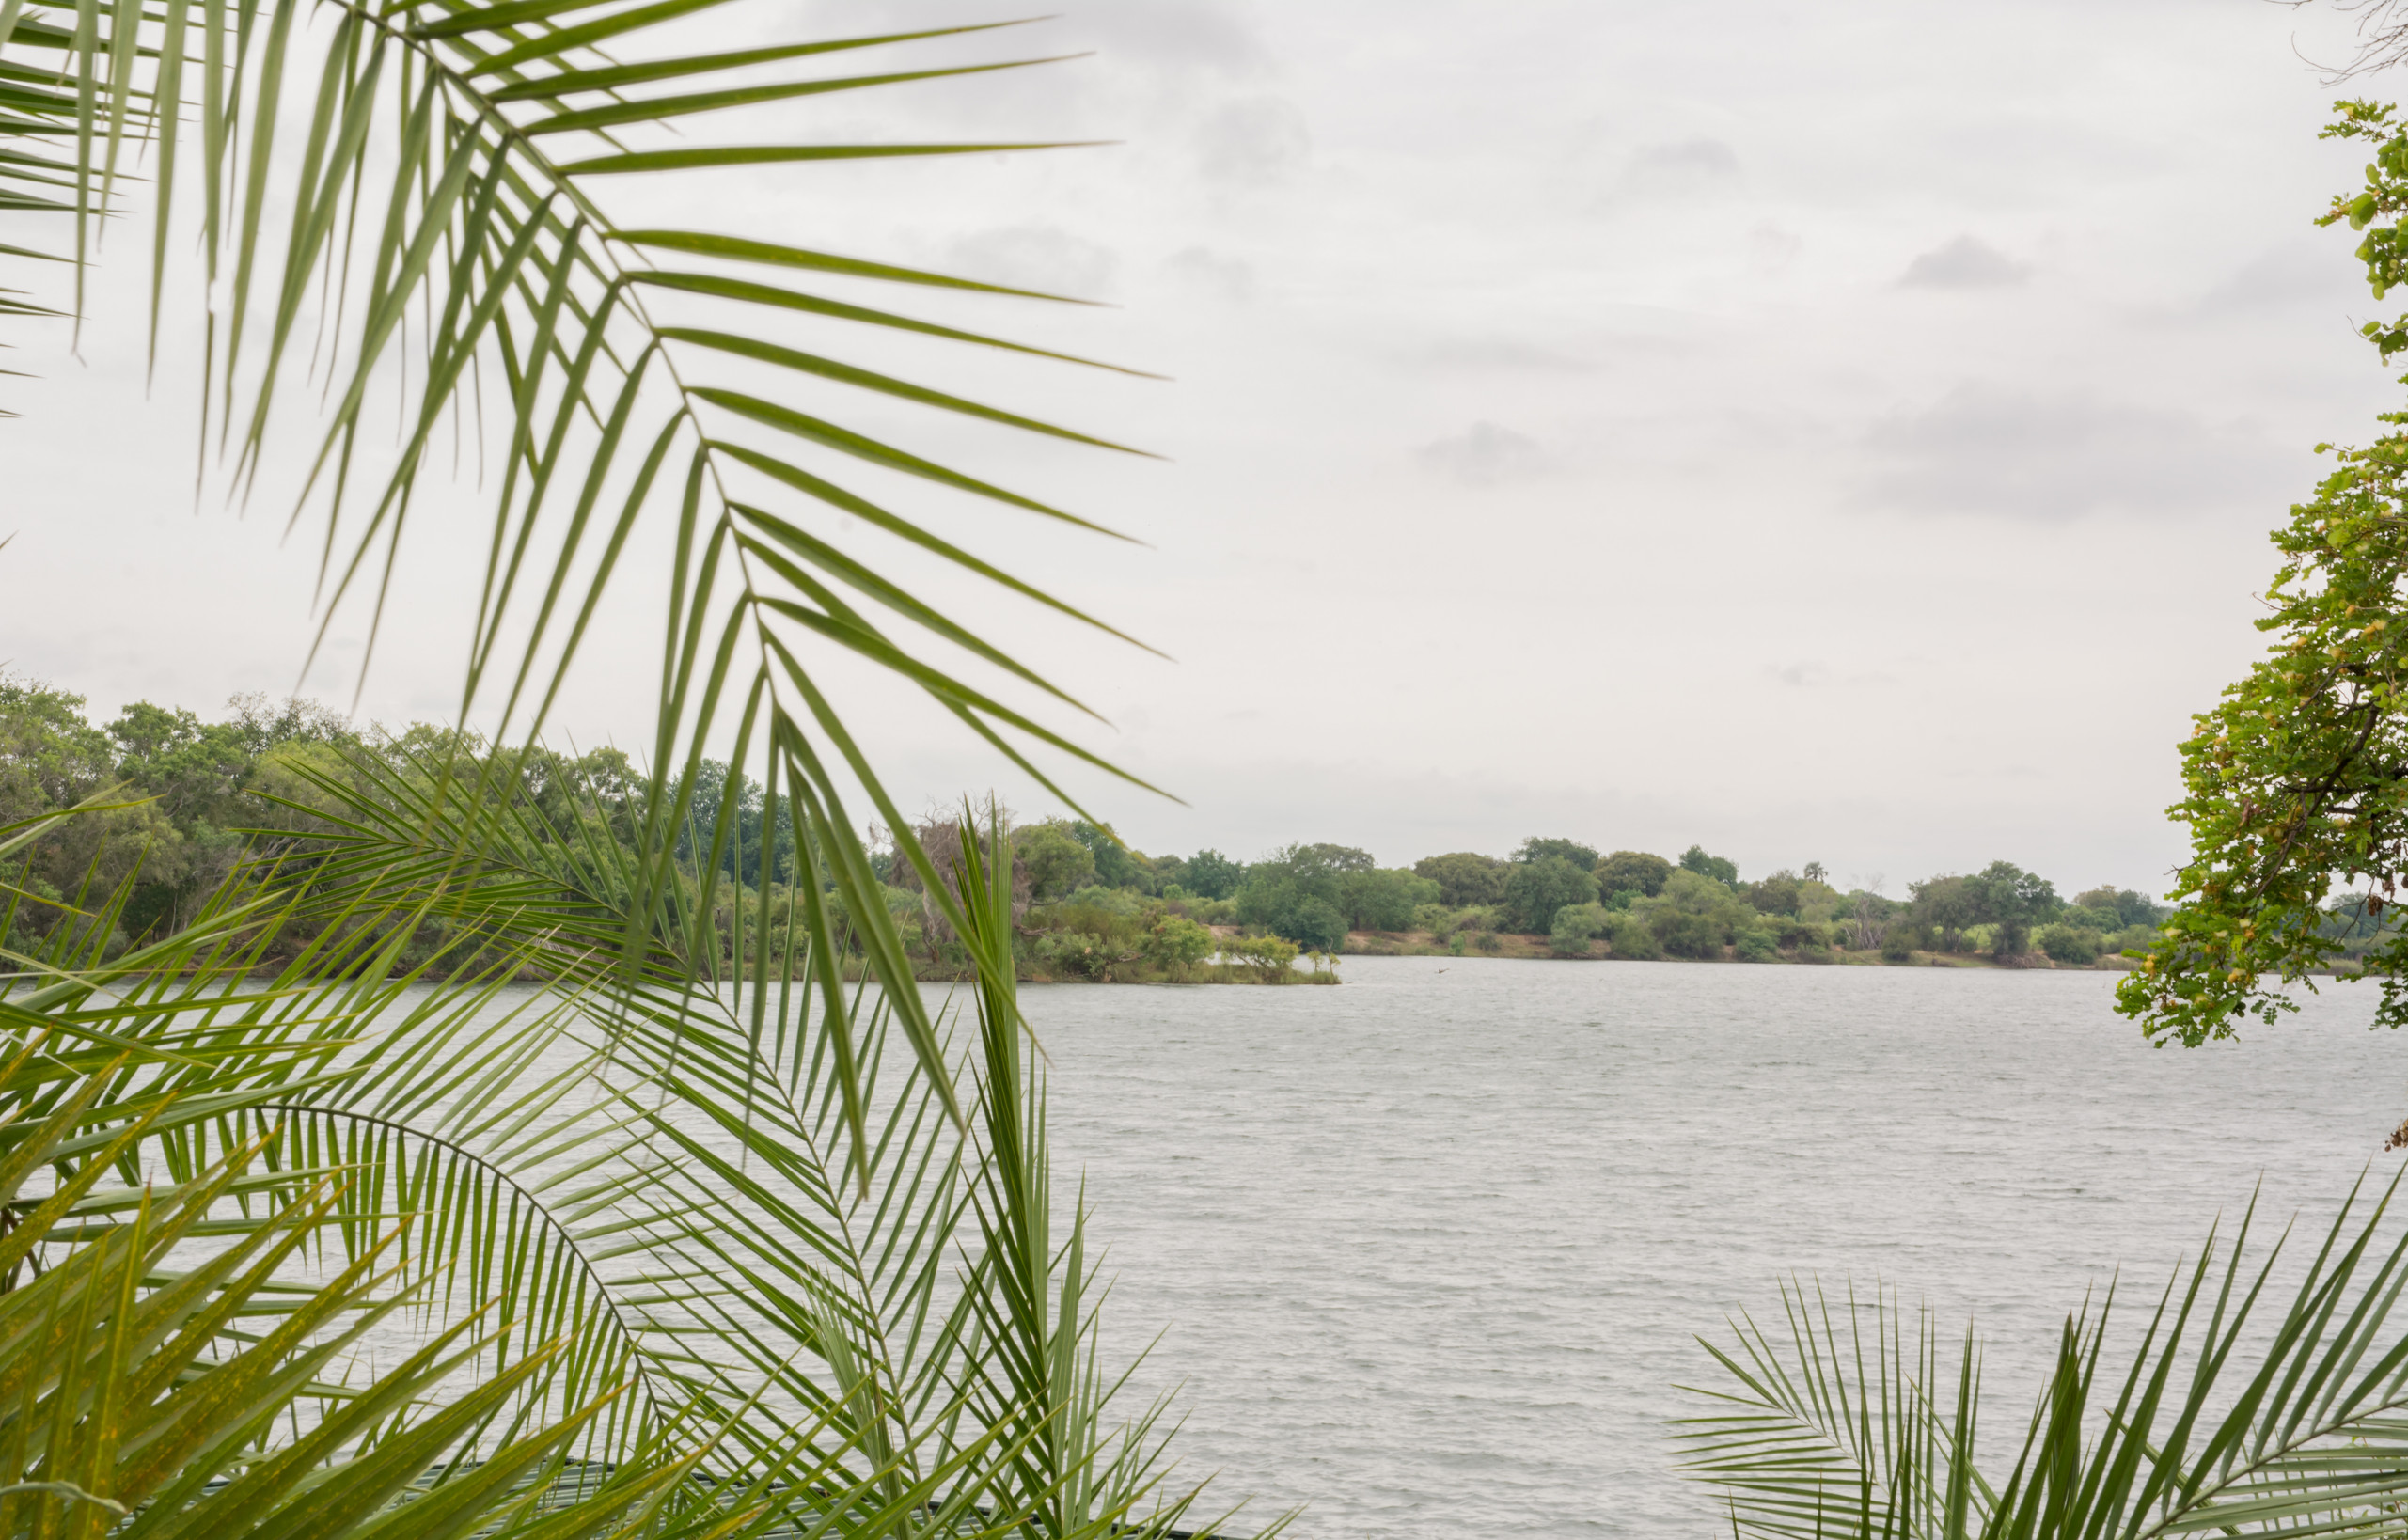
[(1431, 1247)]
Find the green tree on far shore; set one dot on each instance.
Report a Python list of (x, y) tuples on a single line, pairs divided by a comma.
[(1948, 906), (1298, 892), (1721, 870), (1056, 861), (2011, 900), (1464, 877), (1632, 871), (1381, 900), (1210, 874), (1537, 849), (1535, 890)]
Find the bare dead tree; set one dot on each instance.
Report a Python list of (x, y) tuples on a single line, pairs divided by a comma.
[(940, 833), (2383, 36), (1871, 923)]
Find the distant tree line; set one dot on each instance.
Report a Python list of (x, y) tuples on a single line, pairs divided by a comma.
[(178, 801), (194, 792), (1626, 903)]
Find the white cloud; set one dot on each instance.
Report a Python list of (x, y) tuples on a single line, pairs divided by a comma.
[(1697, 159), (1496, 352), (1485, 455), (1038, 257), (1771, 249), (1965, 262), (1256, 139), (1207, 271), (1176, 35), (2313, 273), (2056, 456)]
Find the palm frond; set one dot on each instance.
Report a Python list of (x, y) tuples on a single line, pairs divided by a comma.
[(703, 1189), (137, 1377), (440, 160), (2221, 1421), (651, 1167)]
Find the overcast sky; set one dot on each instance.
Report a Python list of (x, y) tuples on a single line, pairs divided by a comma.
[(1842, 432)]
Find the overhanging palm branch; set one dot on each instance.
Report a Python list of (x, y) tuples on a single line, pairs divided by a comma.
[(655, 1183), (730, 1196), (143, 1368), (2224, 1420), (428, 181)]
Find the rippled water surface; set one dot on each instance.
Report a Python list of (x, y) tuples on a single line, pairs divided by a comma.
[(1430, 1246)]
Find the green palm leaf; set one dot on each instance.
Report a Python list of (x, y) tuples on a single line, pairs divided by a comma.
[(460, 124), (696, 1194), (2228, 1417)]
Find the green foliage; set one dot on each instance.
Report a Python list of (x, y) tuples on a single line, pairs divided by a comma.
[(1097, 899), (1056, 862), (1576, 929), (2077, 946), (147, 1372), (1535, 890), (1211, 875), (1084, 947), (1947, 908), (1687, 934), (1699, 893), (2209, 1419), (1310, 924), (1464, 877), (1177, 944), (665, 1204), (778, 1205), (1537, 849), (2123, 906), (1383, 900), (1100, 935), (1777, 895), (1298, 892), (1696, 915), (1208, 911), (2133, 939), (50, 756), (1116, 866), (1633, 870), (2011, 901), (1756, 944), (1899, 943), (2293, 783), (1724, 871), (1798, 932), (1269, 957), (1634, 939)]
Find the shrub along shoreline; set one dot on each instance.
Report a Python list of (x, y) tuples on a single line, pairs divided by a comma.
[(1559, 899), (186, 797), (1521, 948)]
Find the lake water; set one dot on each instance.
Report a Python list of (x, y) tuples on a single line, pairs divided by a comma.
[(1430, 1246)]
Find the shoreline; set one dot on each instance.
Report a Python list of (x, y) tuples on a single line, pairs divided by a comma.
[(1537, 949)]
